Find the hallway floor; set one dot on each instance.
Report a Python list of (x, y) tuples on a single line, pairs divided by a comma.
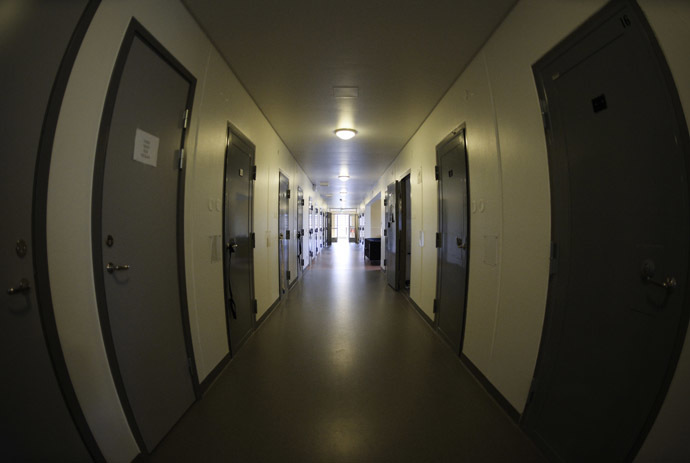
[(345, 370)]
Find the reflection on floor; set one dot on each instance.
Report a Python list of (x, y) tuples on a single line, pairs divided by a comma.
[(344, 370)]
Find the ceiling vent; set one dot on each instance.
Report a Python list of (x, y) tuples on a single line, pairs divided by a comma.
[(345, 92)]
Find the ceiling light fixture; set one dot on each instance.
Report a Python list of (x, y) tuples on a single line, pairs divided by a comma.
[(345, 134), (344, 178)]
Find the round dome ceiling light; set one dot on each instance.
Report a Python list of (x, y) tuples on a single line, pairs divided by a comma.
[(345, 134)]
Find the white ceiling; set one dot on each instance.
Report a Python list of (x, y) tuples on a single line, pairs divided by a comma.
[(403, 55)]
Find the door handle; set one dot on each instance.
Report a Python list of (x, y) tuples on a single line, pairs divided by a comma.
[(669, 283), (112, 267), (23, 287), (461, 245), (647, 273), (232, 246)]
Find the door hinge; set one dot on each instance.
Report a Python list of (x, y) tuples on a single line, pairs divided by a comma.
[(385, 202), (311, 253), (385, 262), (435, 305), (253, 172), (186, 118), (181, 158), (438, 240), (287, 194), (288, 275), (302, 202), (287, 234), (255, 306), (437, 172), (253, 236), (553, 259), (385, 232), (302, 262)]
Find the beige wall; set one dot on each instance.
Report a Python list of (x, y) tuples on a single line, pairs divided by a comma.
[(495, 97), (219, 98), (375, 219)]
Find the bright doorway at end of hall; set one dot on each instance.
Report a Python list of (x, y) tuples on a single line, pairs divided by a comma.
[(343, 228)]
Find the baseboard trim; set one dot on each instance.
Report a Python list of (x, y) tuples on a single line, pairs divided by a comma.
[(213, 375), (418, 309), (267, 314), (491, 389)]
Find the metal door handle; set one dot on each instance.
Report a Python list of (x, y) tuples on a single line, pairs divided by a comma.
[(23, 287), (232, 247), (461, 245), (669, 283), (647, 273), (112, 267)]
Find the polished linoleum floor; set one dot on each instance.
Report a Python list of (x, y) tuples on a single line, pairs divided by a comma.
[(345, 370)]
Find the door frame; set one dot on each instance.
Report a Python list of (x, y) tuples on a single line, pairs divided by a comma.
[(136, 30), (461, 129), (591, 24), (39, 231), (235, 132)]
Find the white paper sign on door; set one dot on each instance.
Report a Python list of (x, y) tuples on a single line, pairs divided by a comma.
[(146, 148)]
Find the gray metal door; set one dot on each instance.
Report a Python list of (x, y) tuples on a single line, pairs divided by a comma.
[(300, 230), (284, 232), (404, 234), (617, 308), (452, 240), (392, 235), (238, 254), (35, 421), (137, 231)]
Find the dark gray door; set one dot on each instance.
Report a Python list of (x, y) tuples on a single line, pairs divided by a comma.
[(392, 220), (141, 263), (453, 239), (284, 232), (404, 234), (620, 230), (35, 421), (237, 229), (300, 230)]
